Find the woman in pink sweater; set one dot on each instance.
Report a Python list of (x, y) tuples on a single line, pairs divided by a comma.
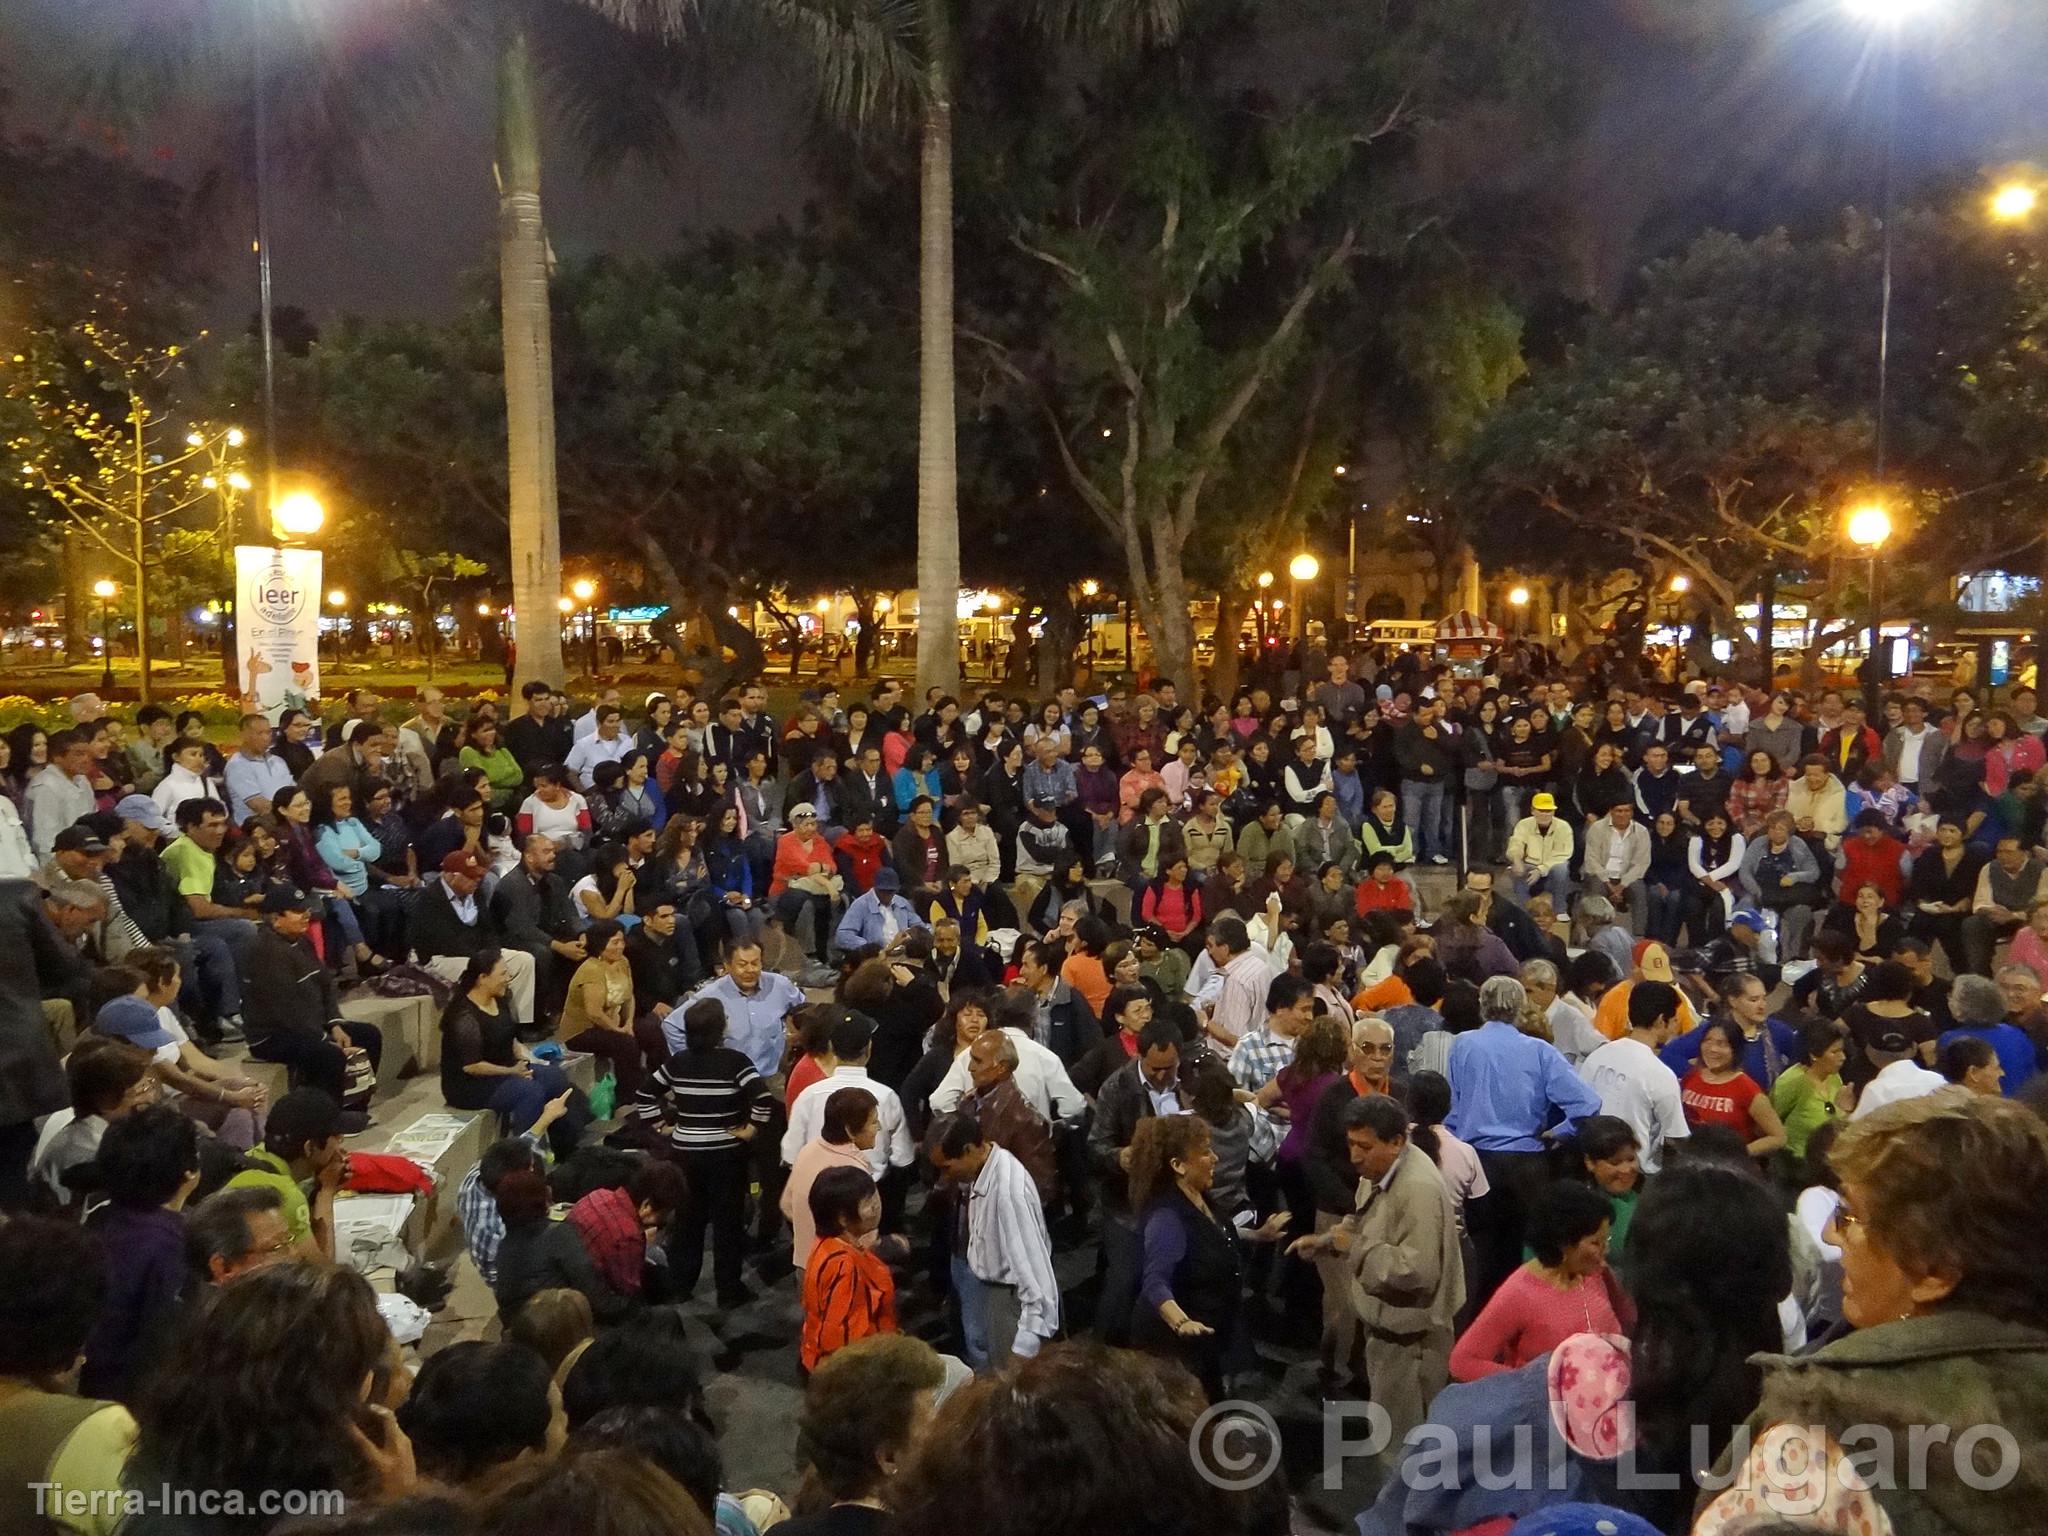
[(1564, 1290)]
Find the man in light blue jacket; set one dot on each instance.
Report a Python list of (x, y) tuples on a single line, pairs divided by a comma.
[(878, 915)]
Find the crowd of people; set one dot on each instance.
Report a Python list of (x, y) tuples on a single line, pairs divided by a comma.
[(1514, 1050)]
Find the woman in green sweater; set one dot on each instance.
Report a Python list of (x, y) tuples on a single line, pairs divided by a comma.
[(1809, 1095), (480, 749)]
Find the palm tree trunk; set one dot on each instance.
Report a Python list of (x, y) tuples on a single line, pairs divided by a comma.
[(938, 492), (141, 558), (529, 367)]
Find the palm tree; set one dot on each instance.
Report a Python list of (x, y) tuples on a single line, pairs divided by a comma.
[(883, 60), (343, 73)]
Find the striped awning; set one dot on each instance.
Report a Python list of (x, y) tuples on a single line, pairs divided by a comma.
[(1467, 626)]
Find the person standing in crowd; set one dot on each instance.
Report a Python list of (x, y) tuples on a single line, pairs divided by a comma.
[(1401, 1250), (848, 1291), (1191, 1283), (1001, 1254), (1508, 1091), (1634, 1085), (707, 1102), (1564, 1289)]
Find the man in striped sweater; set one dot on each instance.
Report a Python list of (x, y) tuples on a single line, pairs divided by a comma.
[(707, 1103)]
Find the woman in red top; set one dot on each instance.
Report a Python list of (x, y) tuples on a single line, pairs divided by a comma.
[(1872, 856), (1382, 890), (1172, 901), (1718, 1092), (1565, 1289), (848, 1291)]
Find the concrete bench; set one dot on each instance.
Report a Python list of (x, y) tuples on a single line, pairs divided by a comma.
[(411, 1028)]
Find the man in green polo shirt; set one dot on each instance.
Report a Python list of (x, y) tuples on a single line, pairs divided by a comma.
[(192, 861), (301, 1146)]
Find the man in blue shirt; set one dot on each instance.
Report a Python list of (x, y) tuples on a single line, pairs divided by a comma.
[(877, 915), (1050, 776), (255, 774), (756, 1001), (1507, 1090)]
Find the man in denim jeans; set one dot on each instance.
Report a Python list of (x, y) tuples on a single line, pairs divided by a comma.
[(1423, 751)]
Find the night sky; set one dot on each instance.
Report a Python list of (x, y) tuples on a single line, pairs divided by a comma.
[(1738, 111)]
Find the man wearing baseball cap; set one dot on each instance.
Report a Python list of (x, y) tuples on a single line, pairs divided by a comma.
[(151, 901), (294, 1015), (453, 919), (878, 915), (1540, 852)]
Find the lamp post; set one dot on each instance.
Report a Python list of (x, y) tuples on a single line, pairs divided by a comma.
[(585, 590), (1888, 18), (337, 599), (1265, 584), (1304, 567), (1869, 527), (1518, 599), (105, 591)]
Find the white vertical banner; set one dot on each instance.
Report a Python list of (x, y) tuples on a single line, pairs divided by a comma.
[(277, 626)]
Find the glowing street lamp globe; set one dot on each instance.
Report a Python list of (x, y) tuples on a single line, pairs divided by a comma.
[(1304, 567), (1681, 583), (2015, 203), (104, 590), (1518, 597), (299, 515), (1869, 527), (1265, 578), (583, 588)]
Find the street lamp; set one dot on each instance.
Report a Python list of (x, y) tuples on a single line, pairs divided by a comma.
[(1091, 587), (1681, 584), (1869, 527), (105, 590), (1304, 567), (584, 590), (298, 516), (1518, 599), (2015, 202)]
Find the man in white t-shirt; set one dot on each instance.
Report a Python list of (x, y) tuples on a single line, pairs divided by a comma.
[(1633, 1083), (853, 1041), (1900, 1076)]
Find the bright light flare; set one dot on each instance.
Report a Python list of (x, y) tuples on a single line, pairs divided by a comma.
[(2015, 203), (1869, 526)]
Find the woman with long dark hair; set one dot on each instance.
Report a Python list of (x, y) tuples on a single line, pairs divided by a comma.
[(1191, 1286), (484, 1065)]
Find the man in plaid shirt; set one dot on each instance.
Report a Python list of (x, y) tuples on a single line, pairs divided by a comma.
[(615, 1223), (1265, 1048)]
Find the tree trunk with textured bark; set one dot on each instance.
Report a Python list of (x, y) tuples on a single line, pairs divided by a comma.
[(938, 491), (534, 514)]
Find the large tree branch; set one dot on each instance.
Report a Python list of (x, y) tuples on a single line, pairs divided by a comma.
[(1209, 442)]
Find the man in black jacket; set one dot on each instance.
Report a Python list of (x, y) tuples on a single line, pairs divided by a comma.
[(822, 787), (531, 907), (666, 966), (540, 736), (868, 792), (292, 1014), (451, 921)]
